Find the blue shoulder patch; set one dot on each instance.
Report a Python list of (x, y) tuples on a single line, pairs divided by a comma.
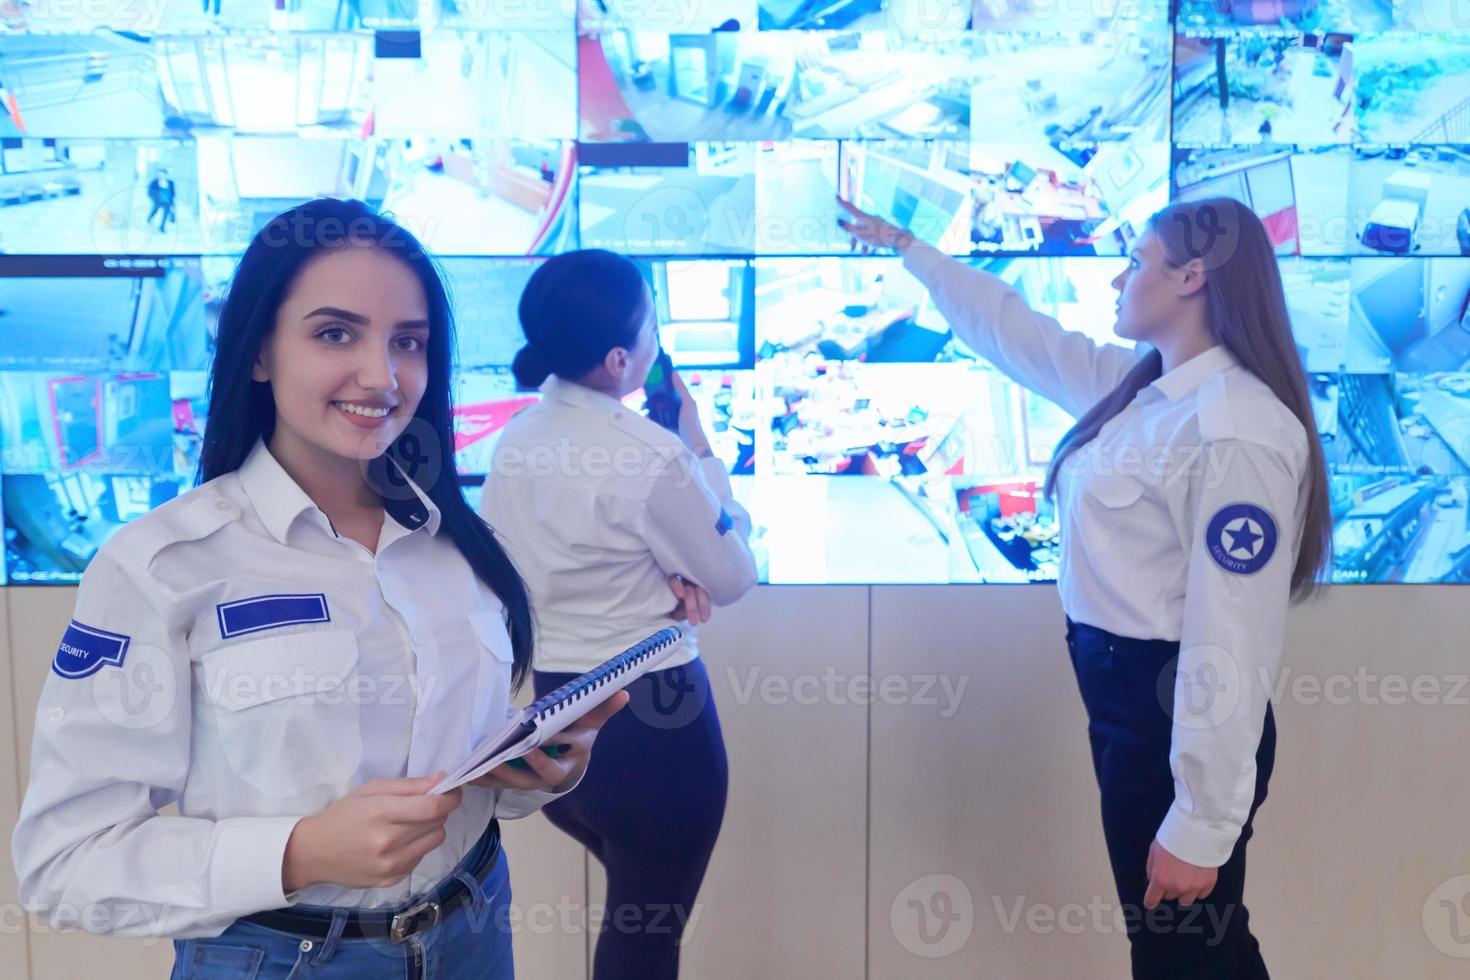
[(1241, 538), (725, 523), (264, 612), (84, 650)]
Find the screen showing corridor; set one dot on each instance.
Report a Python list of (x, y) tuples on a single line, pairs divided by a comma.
[(144, 142)]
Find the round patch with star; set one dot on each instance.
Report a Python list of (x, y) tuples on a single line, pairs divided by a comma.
[(1241, 538)]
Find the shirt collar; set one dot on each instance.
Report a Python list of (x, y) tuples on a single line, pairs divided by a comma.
[(579, 396), (1186, 377), (279, 500), (412, 514)]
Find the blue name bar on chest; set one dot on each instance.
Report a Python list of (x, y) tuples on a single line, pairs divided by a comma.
[(265, 612)]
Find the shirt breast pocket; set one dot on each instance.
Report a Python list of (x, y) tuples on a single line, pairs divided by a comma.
[(1114, 491), (497, 659), (287, 718)]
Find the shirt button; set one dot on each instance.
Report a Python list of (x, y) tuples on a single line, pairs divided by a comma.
[(57, 714), (418, 639)]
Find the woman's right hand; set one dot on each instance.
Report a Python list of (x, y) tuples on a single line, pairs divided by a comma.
[(871, 230), (691, 430), (372, 837)]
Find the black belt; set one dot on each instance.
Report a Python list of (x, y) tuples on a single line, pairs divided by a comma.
[(393, 924)]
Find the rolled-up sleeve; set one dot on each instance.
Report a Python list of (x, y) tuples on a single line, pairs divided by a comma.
[(91, 849), (1245, 521), (992, 319), (695, 528)]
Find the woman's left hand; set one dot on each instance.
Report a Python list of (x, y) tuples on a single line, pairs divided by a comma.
[(694, 601), (1169, 877), (548, 773)]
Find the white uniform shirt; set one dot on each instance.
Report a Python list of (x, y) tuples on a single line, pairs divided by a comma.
[(1180, 521), (597, 506), (231, 654)]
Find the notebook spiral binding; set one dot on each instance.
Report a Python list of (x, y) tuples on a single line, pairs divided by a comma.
[(629, 658)]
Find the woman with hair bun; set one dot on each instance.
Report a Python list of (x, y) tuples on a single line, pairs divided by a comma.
[(621, 527)]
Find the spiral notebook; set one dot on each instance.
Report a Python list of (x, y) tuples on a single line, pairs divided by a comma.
[(559, 708)]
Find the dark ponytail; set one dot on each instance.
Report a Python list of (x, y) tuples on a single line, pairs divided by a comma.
[(575, 308)]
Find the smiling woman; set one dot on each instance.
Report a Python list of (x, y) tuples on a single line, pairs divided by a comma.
[(328, 549), (366, 366)]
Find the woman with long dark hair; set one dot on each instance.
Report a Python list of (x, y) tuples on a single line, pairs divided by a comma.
[(320, 629), (1194, 508), (622, 527)]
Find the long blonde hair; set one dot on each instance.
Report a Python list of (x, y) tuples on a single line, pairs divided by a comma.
[(1247, 315)]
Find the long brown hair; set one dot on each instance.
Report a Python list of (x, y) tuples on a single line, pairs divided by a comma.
[(1247, 315)]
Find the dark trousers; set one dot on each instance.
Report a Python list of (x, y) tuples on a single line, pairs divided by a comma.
[(167, 208), (1127, 686), (649, 808)]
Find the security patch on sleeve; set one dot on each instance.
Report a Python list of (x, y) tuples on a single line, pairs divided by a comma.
[(725, 523), (85, 650), (1241, 538)]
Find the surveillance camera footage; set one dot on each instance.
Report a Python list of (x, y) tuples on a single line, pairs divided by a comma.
[(143, 145)]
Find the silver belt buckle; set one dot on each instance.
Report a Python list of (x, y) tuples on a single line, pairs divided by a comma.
[(405, 923)]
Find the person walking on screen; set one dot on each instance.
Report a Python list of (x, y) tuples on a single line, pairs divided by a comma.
[(161, 191)]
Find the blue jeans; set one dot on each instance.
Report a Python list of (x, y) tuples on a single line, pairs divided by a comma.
[(471, 943)]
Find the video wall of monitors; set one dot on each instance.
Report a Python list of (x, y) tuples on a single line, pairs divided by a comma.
[(142, 145)]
